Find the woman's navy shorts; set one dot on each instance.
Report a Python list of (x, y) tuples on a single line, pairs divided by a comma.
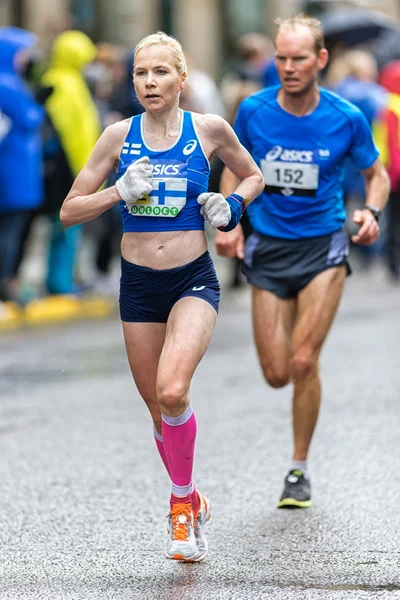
[(148, 295)]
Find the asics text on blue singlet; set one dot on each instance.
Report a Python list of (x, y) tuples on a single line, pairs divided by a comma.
[(302, 161)]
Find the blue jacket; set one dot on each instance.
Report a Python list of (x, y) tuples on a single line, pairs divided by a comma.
[(21, 181)]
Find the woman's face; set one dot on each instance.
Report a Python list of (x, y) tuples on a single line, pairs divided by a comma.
[(156, 79)]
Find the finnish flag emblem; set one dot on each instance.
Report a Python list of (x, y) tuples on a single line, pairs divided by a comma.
[(131, 148), (169, 193), (166, 200)]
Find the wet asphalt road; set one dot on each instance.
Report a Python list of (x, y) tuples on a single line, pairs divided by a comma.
[(84, 496)]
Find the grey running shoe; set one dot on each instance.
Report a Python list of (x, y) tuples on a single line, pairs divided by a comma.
[(181, 544), (202, 516), (297, 491)]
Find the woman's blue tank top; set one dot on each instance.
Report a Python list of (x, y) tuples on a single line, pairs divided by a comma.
[(180, 173)]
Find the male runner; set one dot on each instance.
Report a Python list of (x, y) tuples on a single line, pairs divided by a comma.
[(296, 259)]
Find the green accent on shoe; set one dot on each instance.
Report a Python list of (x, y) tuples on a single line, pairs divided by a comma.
[(293, 503), (296, 492)]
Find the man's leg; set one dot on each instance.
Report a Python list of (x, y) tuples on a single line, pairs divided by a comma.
[(273, 322), (317, 306)]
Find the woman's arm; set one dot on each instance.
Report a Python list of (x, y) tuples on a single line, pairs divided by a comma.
[(224, 142), (84, 203)]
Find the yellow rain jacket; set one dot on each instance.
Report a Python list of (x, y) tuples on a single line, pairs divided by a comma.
[(70, 106)]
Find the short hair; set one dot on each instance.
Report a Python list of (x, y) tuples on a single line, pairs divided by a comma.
[(165, 40), (302, 20)]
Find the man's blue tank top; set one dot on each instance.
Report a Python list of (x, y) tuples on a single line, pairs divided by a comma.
[(180, 173), (302, 160)]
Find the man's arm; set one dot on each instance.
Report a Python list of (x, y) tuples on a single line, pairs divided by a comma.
[(378, 188)]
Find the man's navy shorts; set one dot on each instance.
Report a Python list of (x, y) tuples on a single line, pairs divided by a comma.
[(148, 295), (284, 267)]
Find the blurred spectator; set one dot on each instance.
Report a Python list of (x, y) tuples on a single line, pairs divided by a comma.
[(201, 93), (75, 119), (387, 136), (255, 62), (123, 101), (21, 188), (120, 103), (102, 75), (353, 76), (106, 77), (257, 59)]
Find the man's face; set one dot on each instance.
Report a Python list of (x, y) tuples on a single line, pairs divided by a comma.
[(296, 60)]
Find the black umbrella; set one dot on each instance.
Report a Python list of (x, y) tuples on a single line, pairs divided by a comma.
[(352, 26), (386, 48)]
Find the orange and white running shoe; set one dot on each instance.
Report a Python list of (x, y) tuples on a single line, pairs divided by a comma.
[(200, 519), (181, 544)]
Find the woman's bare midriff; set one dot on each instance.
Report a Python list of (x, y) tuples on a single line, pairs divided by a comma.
[(164, 249)]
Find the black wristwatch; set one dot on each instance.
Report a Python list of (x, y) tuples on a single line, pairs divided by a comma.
[(375, 211)]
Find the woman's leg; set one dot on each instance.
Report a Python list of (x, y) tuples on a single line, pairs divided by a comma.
[(144, 342), (188, 334)]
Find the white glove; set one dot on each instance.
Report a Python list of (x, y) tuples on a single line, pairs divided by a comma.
[(215, 209), (136, 182)]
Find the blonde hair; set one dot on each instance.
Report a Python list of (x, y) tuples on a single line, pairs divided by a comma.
[(302, 20), (353, 63), (165, 40)]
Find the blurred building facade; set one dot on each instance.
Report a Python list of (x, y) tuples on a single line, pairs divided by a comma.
[(207, 29)]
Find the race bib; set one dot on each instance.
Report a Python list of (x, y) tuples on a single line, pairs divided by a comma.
[(290, 178), (169, 193)]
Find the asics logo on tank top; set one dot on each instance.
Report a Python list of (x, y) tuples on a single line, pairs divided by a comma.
[(289, 155), (190, 147), (165, 169)]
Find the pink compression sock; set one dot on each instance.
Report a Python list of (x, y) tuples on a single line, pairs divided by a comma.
[(160, 448), (179, 436)]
